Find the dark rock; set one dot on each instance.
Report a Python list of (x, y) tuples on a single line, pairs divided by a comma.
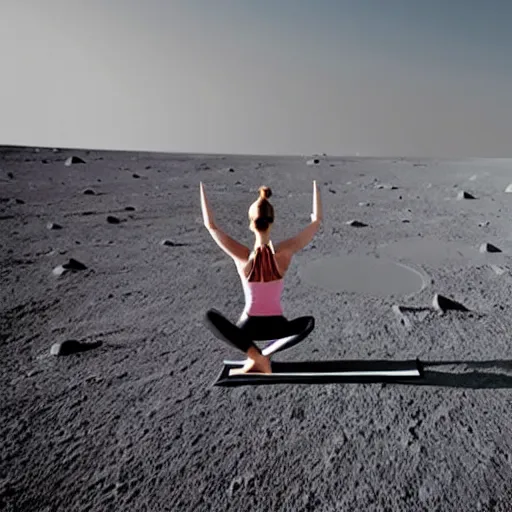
[(69, 347), (73, 160), (129, 208), (486, 247), (113, 220), (170, 243), (464, 195), (356, 224), (385, 186), (89, 192), (443, 304)]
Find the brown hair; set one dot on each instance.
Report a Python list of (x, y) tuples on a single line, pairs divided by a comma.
[(265, 211), (264, 266)]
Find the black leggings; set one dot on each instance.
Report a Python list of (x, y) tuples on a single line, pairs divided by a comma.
[(250, 328)]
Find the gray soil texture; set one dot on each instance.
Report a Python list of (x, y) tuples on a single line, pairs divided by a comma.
[(107, 370)]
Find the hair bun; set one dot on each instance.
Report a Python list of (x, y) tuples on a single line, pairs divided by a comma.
[(265, 192)]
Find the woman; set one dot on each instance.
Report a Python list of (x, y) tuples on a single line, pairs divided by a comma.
[(262, 273)]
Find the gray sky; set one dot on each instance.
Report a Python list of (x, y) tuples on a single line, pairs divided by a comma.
[(375, 77)]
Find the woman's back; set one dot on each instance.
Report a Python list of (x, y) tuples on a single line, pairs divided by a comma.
[(262, 281), (265, 265)]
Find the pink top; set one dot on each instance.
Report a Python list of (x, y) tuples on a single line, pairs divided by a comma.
[(263, 298)]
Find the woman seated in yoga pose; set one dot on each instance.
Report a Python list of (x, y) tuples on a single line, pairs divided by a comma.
[(262, 272)]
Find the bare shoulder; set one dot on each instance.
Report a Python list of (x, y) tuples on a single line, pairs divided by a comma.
[(283, 259)]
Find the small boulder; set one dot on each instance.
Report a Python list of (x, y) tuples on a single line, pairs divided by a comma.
[(89, 192), (71, 266), (73, 160), (385, 186), (314, 161), (113, 220), (356, 224), (69, 347), (508, 190), (443, 304), (487, 247), (464, 195), (53, 225)]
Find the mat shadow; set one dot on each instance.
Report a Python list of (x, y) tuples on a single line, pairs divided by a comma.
[(471, 380)]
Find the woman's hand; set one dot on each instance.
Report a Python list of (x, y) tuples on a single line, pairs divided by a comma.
[(208, 220), (317, 204)]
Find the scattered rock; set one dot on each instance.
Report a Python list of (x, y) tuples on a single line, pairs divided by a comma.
[(508, 190), (238, 183), (147, 167), (10, 175), (53, 225), (231, 169), (16, 201), (135, 175), (68, 347), (406, 221), (443, 304), (487, 247), (356, 224), (73, 160), (332, 191), (385, 186), (71, 266), (44, 161), (483, 224), (314, 161), (89, 192), (129, 208), (402, 318), (364, 204), (113, 220), (170, 243), (464, 195)]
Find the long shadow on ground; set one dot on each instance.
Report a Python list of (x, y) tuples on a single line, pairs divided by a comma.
[(474, 379)]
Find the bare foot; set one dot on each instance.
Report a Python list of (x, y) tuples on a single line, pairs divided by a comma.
[(260, 364)]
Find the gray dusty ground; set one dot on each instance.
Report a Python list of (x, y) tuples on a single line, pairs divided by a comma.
[(136, 424)]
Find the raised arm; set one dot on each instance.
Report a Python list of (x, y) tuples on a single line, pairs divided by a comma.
[(298, 242), (236, 250)]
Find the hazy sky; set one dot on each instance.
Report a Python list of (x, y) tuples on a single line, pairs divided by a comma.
[(375, 77)]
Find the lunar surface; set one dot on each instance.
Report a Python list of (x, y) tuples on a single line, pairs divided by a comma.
[(107, 369)]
